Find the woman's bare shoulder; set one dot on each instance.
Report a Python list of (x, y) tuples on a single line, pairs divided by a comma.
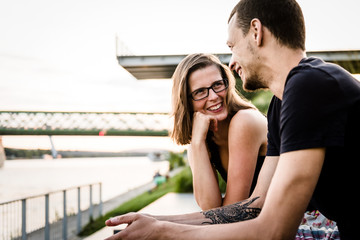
[(248, 126), (248, 118)]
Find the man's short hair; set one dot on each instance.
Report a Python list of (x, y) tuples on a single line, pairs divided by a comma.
[(283, 18)]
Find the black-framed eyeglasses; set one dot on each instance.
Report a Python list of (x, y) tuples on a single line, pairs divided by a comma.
[(217, 86)]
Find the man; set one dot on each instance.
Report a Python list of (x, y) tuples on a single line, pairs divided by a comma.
[(314, 129)]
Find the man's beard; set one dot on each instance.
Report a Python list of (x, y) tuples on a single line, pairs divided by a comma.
[(253, 83)]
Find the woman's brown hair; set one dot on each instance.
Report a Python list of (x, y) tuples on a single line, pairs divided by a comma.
[(181, 102)]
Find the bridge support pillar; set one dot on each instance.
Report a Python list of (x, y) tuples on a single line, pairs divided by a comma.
[(53, 150), (2, 154)]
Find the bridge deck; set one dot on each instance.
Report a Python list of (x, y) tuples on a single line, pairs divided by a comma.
[(84, 123), (163, 66)]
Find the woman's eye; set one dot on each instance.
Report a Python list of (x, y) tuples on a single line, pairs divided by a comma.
[(218, 85), (199, 92)]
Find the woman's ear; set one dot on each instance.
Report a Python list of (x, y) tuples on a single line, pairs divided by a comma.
[(256, 31)]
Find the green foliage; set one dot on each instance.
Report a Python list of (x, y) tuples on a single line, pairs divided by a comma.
[(183, 181), (176, 160), (134, 204), (222, 184), (12, 153), (260, 98)]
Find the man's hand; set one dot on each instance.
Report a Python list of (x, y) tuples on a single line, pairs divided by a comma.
[(139, 226)]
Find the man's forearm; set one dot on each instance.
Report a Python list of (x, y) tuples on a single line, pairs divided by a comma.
[(240, 211)]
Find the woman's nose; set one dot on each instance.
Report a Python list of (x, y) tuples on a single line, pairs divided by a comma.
[(212, 94)]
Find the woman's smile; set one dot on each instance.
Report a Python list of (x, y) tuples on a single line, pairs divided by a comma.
[(215, 108)]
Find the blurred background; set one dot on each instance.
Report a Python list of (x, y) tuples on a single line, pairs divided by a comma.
[(61, 56)]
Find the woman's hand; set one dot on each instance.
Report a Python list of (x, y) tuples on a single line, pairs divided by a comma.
[(201, 125)]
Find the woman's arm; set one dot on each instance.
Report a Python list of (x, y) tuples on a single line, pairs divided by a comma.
[(289, 193), (240, 211), (247, 136), (205, 183), (230, 212)]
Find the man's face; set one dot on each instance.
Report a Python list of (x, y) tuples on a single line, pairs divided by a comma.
[(244, 60)]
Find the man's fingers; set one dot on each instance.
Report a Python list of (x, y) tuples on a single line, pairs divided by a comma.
[(123, 219)]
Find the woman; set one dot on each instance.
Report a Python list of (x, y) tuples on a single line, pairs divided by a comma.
[(225, 132)]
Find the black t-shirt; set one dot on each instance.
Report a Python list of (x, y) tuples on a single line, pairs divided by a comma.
[(321, 108)]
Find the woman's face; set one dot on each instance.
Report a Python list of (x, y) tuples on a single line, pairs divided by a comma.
[(214, 103)]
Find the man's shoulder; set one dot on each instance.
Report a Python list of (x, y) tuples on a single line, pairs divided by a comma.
[(316, 72), (310, 72), (315, 78)]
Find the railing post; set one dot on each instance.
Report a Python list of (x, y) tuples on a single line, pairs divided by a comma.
[(20, 227), (79, 212), (2, 154), (91, 211), (47, 225), (64, 229), (100, 200), (23, 219)]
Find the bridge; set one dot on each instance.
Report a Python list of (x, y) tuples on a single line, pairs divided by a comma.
[(81, 123), (128, 124), (163, 66), (84, 123)]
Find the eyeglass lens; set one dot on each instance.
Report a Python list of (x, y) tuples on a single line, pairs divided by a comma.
[(202, 93)]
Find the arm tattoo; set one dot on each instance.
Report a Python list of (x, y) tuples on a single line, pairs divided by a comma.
[(232, 213)]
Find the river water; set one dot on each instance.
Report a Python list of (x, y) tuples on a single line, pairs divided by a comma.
[(23, 178)]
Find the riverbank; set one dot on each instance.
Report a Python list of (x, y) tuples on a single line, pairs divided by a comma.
[(136, 199)]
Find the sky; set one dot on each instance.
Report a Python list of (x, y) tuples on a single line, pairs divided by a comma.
[(61, 55)]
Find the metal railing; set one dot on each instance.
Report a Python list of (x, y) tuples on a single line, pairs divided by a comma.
[(55, 215)]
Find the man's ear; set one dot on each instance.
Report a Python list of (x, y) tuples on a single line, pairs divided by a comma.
[(256, 31)]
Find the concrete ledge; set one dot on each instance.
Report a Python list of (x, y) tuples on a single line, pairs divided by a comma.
[(170, 204)]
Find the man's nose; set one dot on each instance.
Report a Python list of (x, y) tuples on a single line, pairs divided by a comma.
[(232, 63)]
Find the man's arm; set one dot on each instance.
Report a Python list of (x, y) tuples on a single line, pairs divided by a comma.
[(240, 211), (249, 208), (290, 191), (288, 196)]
